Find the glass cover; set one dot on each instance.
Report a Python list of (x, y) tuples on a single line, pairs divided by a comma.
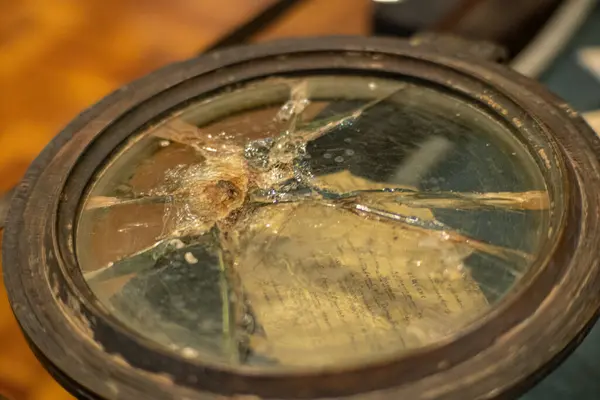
[(312, 221)]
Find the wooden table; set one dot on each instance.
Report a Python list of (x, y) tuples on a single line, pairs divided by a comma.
[(59, 57)]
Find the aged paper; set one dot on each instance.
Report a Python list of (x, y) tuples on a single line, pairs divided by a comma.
[(328, 286)]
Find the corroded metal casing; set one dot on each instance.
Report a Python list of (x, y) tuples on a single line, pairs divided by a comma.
[(522, 332)]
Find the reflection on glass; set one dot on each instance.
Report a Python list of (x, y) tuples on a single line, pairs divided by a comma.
[(315, 221)]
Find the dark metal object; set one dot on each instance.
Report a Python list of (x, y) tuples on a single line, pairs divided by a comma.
[(457, 46), (533, 31), (5, 205), (94, 356), (244, 32), (579, 376), (510, 23), (406, 18)]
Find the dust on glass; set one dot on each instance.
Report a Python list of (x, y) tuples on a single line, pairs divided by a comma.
[(258, 253)]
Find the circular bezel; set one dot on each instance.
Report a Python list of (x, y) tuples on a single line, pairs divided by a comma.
[(507, 350)]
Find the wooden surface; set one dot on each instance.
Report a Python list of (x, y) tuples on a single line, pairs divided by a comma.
[(59, 57)]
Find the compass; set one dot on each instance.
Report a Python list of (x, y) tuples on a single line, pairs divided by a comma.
[(321, 218)]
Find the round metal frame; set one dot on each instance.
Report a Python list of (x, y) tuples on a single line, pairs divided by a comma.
[(506, 351)]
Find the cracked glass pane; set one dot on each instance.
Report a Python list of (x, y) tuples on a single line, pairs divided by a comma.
[(312, 221)]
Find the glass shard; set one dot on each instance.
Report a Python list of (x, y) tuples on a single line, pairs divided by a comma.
[(310, 222)]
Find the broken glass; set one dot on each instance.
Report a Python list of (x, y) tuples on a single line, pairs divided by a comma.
[(312, 221)]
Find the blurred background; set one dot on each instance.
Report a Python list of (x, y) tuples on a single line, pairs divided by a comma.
[(59, 57)]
